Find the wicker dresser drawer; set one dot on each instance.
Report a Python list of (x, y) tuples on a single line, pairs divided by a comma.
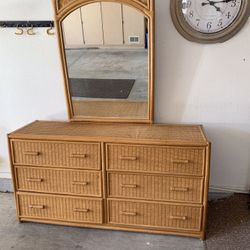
[(155, 187), (58, 154), (37, 179), (155, 215), (60, 208), (174, 160)]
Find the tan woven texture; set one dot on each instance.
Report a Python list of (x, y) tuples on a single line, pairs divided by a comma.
[(107, 109), (174, 160), (63, 3), (155, 187), (72, 155), (148, 178), (59, 181), (60, 208), (167, 134), (154, 215)]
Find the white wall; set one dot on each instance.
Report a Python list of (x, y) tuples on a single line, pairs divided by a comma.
[(206, 84), (30, 73)]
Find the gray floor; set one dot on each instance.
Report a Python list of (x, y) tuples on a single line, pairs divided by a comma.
[(29, 236), (6, 185), (111, 64)]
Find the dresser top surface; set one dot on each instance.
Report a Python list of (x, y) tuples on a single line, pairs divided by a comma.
[(146, 133)]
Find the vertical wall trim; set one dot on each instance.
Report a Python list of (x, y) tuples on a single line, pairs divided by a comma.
[(103, 38), (83, 34), (123, 31)]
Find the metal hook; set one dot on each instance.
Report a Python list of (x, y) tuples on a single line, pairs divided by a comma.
[(50, 30), (21, 31), (30, 31)]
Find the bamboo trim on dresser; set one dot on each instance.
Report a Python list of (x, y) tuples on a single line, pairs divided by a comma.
[(206, 187), (14, 177), (159, 141), (104, 181)]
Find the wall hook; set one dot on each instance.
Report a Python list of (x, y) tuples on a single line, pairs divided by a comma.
[(30, 31), (50, 31), (19, 31)]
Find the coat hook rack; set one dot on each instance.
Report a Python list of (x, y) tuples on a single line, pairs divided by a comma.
[(27, 24)]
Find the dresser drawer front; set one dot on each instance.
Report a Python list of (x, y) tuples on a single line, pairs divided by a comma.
[(155, 187), (37, 179), (156, 159), (58, 154), (60, 208), (155, 215)]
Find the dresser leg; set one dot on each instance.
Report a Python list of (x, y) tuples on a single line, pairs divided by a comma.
[(19, 219), (203, 236)]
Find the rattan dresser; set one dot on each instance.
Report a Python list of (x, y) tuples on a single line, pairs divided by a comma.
[(145, 178)]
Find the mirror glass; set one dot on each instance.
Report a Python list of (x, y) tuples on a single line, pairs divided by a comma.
[(106, 50)]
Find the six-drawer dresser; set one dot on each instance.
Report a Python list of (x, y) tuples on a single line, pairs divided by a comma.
[(145, 178)]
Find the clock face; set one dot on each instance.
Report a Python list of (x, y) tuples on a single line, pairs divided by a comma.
[(210, 16)]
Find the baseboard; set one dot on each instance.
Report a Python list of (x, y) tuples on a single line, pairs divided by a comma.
[(228, 189), (6, 185)]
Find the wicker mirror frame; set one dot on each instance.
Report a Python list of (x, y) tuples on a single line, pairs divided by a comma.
[(195, 36), (63, 8)]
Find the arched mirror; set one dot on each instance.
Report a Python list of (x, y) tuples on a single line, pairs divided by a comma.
[(107, 54)]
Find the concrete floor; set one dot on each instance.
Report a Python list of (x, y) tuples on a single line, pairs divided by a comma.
[(31, 236), (112, 64)]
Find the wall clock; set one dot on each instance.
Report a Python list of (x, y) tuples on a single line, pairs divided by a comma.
[(209, 21)]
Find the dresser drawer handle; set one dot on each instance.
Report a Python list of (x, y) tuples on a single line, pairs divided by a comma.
[(129, 186), (34, 180), (81, 210), (78, 156), (128, 158), (31, 153), (178, 217), (180, 161), (37, 206), (128, 213), (85, 183), (179, 189)]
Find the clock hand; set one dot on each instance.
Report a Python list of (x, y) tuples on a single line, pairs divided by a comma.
[(223, 1), (212, 3)]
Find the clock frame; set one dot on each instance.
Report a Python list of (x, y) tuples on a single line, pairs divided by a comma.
[(193, 35)]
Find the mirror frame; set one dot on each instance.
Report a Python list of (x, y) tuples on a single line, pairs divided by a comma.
[(147, 7)]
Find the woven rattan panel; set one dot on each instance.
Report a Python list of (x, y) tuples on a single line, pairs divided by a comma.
[(71, 155), (59, 181), (63, 3), (155, 187), (174, 160), (167, 134), (60, 208), (154, 215)]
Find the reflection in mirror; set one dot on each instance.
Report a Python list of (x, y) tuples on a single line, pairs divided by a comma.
[(106, 49)]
